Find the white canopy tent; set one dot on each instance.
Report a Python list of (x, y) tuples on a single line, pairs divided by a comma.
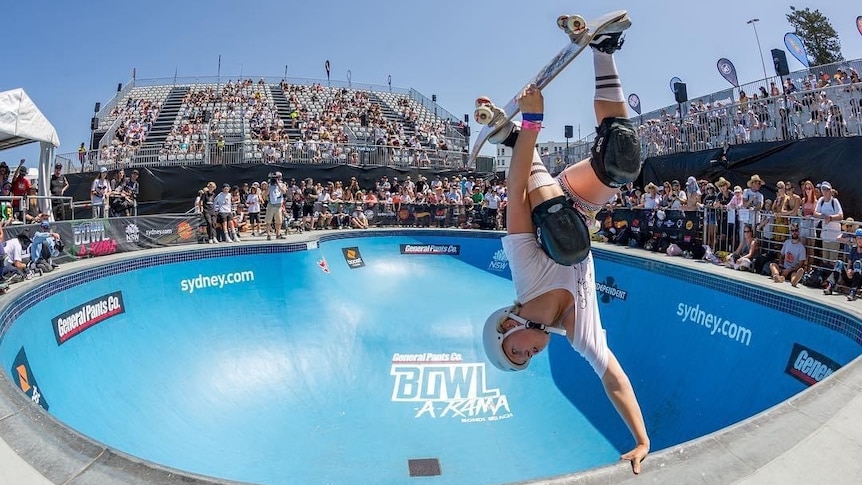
[(21, 123)]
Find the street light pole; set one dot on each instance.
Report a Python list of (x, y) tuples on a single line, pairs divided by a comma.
[(753, 23)]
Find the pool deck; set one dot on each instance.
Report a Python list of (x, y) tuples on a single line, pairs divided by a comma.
[(814, 437)]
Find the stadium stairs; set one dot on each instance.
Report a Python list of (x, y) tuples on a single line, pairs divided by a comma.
[(167, 115)]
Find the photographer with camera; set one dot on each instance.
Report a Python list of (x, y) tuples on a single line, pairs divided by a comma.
[(99, 191), (277, 189)]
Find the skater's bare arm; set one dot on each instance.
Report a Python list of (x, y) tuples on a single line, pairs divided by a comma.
[(518, 209), (622, 395)]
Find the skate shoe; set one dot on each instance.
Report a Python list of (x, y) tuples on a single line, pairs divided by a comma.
[(608, 42), (504, 132)]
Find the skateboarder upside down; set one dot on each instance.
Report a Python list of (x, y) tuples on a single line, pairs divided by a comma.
[(548, 240)]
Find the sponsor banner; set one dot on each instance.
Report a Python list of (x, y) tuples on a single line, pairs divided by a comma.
[(85, 238), (202, 282), (82, 317), (499, 262), (635, 102), (353, 257), (443, 386), (676, 225), (23, 377), (809, 366), (797, 48), (728, 71), (447, 249), (608, 290)]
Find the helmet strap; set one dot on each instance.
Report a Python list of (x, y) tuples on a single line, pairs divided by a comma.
[(524, 323)]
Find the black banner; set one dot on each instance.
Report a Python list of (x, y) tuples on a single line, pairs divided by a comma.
[(675, 225), (85, 238)]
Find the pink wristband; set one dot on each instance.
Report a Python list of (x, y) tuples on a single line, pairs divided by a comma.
[(531, 125)]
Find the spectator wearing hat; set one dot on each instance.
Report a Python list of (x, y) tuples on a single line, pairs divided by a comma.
[(45, 247), (99, 194), (275, 199), (828, 208), (59, 185), (252, 202), (752, 201)]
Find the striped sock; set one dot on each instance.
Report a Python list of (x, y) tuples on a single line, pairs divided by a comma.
[(608, 87)]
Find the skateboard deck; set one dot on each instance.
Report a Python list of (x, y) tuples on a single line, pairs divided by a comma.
[(578, 41)]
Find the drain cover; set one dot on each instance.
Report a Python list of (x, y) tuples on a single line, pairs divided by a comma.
[(424, 467)]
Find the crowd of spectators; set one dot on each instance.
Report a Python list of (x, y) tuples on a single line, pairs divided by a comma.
[(801, 235), (463, 202), (321, 124), (814, 106), (134, 120)]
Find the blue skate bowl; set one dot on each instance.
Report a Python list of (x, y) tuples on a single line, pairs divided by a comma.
[(357, 359)]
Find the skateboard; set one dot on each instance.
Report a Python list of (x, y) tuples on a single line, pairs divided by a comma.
[(580, 33)]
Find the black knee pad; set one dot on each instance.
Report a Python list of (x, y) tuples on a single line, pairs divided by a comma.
[(616, 152), (562, 231)]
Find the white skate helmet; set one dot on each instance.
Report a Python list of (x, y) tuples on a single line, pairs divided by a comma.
[(492, 339)]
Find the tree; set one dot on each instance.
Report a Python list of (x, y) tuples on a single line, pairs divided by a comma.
[(820, 38)]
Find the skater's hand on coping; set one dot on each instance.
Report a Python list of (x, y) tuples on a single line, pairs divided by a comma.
[(531, 100), (636, 457)]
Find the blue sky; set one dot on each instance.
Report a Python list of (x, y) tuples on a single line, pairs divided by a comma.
[(68, 55)]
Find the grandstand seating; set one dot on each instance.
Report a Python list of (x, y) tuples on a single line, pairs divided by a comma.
[(258, 121)]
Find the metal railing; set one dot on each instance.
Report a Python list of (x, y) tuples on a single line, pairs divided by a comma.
[(751, 88), (804, 114), (254, 151), (722, 230), (15, 209)]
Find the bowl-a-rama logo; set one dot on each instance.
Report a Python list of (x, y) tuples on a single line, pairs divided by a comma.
[(443, 386), (609, 290)]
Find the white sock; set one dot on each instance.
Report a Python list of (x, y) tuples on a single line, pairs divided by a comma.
[(608, 87)]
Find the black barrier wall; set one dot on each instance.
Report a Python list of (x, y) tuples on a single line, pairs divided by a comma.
[(165, 190), (99, 237)]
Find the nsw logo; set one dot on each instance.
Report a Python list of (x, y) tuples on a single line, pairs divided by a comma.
[(499, 262), (353, 257), (133, 233), (809, 366), (609, 291)]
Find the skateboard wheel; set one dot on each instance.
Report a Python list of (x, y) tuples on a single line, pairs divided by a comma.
[(576, 24), (482, 101), (483, 115), (562, 22)]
